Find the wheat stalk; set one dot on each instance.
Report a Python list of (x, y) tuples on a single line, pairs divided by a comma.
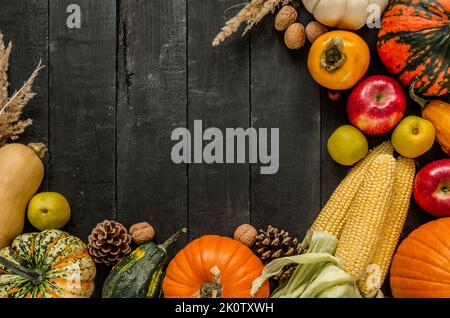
[(269, 7), (4, 65), (11, 109), (21, 97), (231, 26)]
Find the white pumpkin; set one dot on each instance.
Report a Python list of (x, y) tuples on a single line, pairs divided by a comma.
[(345, 14)]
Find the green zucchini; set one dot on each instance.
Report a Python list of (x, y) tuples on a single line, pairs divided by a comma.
[(140, 274)]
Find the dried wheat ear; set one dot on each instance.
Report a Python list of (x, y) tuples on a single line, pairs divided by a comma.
[(252, 13), (11, 126)]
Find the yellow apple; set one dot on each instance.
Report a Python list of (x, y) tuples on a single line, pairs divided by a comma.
[(48, 210), (347, 145), (413, 137)]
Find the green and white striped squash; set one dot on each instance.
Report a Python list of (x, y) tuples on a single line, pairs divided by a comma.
[(49, 264)]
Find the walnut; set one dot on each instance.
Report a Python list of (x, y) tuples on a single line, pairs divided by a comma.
[(294, 38), (246, 234), (314, 29), (142, 232), (285, 17)]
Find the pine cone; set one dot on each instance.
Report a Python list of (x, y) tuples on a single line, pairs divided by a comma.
[(273, 243), (109, 243)]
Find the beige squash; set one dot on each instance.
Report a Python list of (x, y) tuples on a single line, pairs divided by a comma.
[(21, 174)]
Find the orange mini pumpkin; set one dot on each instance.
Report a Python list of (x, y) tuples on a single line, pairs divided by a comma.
[(420, 268), (213, 267), (438, 112)]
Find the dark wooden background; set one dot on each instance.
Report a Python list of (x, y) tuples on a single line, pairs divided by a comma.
[(114, 90)]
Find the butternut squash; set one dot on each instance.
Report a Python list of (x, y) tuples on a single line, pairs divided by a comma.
[(21, 174)]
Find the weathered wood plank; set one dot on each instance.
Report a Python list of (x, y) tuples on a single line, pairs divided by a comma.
[(82, 113), (218, 94), (284, 97), (25, 23), (152, 102), (164, 63)]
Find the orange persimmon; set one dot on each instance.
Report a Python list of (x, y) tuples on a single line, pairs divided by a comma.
[(338, 59)]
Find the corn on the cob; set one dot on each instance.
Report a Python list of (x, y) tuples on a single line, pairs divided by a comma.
[(392, 228), (332, 217), (365, 221)]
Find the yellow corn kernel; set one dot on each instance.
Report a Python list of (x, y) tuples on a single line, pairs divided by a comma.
[(333, 215), (365, 221), (392, 229)]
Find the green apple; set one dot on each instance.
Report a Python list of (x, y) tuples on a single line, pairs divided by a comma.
[(347, 145), (48, 210), (413, 137)]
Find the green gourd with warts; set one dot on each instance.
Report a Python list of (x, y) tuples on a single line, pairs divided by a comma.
[(140, 274)]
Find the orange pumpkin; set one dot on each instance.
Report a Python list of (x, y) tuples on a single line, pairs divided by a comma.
[(213, 267), (438, 112), (421, 265)]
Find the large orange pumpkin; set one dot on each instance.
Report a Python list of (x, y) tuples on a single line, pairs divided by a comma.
[(213, 266), (421, 266)]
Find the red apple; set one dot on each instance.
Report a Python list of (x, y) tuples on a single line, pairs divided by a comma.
[(376, 104), (432, 188)]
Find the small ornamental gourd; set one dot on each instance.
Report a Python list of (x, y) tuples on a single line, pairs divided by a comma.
[(139, 275), (49, 264), (438, 112), (214, 267), (413, 43)]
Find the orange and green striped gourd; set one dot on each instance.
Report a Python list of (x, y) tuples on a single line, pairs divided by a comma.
[(49, 264), (414, 42)]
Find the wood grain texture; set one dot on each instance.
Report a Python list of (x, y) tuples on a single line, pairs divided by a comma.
[(115, 89), (284, 96), (82, 113), (152, 102), (218, 94), (26, 25)]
